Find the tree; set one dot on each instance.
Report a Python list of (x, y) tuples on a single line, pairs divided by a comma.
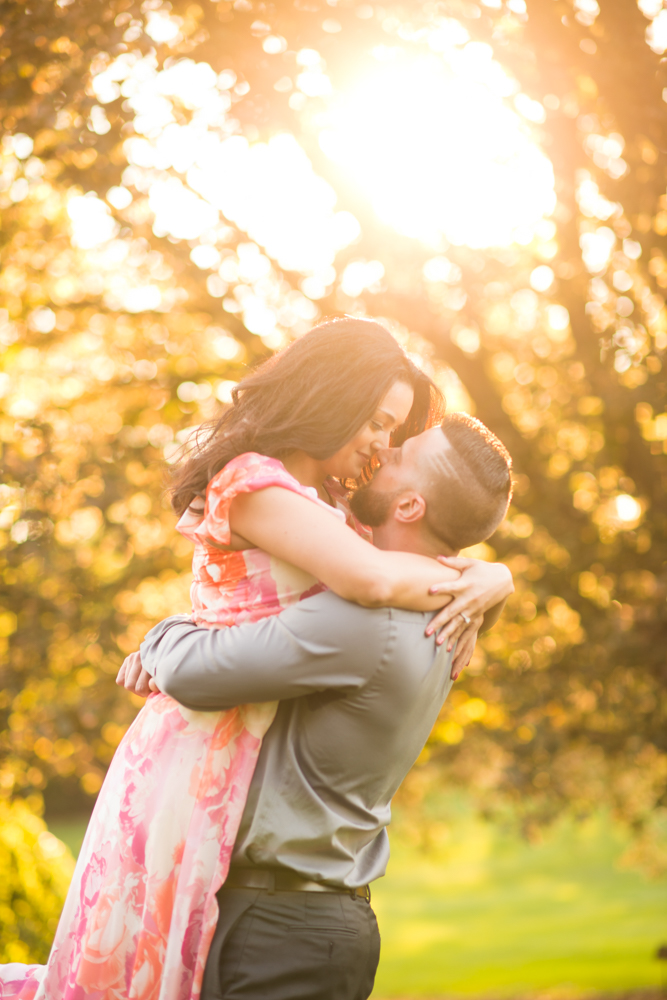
[(137, 283)]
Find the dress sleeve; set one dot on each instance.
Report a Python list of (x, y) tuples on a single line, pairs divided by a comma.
[(244, 474)]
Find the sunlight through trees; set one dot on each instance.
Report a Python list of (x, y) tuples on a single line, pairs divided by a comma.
[(184, 188)]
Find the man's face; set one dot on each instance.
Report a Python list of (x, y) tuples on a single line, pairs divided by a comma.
[(400, 469)]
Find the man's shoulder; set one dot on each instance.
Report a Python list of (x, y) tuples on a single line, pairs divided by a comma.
[(328, 614), (328, 619), (330, 604)]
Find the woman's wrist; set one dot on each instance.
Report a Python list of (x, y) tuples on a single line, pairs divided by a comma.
[(481, 586), (482, 590), (504, 585)]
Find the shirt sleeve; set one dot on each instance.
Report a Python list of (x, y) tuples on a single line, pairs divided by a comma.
[(244, 474), (321, 643)]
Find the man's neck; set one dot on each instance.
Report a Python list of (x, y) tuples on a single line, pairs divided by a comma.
[(397, 537)]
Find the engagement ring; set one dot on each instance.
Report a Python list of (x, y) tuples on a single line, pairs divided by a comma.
[(465, 618)]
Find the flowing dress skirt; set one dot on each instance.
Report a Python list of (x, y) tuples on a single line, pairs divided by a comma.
[(141, 910)]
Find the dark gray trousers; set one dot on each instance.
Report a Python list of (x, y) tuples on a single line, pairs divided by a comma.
[(292, 946)]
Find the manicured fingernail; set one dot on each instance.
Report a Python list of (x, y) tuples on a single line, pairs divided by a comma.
[(429, 631)]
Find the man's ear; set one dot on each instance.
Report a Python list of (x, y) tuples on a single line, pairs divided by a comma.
[(410, 508)]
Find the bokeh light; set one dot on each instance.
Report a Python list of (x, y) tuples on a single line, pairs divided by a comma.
[(271, 191), (627, 509), (92, 223)]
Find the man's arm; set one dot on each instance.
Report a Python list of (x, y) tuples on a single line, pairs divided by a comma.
[(321, 643)]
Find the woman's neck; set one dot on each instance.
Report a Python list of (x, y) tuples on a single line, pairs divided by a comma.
[(308, 471)]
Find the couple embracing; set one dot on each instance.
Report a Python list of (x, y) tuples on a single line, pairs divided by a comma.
[(244, 814)]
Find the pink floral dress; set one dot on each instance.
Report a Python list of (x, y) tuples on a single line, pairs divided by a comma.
[(141, 910)]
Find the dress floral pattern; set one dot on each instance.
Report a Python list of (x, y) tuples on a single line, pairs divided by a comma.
[(141, 910)]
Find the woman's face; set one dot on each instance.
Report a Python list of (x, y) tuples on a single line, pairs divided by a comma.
[(392, 412)]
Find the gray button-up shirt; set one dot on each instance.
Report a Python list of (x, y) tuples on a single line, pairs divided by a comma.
[(359, 692)]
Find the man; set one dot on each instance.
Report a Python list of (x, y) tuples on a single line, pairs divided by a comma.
[(359, 691)]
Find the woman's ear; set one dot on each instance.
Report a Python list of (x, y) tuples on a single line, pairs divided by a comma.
[(410, 509)]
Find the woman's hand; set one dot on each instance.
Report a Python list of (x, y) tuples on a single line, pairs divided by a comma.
[(465, 647), (480, 587), (134, 678)]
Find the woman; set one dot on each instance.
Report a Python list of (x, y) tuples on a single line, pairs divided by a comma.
[(263, 503)]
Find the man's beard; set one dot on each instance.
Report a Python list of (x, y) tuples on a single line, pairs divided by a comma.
[(372, 506)]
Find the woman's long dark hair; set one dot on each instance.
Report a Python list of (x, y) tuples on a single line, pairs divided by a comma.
[(313, 396)]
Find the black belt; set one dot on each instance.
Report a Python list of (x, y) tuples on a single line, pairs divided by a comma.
[(282, 880)]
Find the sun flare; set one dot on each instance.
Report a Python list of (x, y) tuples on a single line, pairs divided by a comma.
[(438, 152), (440, 146)]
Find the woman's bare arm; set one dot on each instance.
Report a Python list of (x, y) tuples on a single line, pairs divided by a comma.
[(293, 528)]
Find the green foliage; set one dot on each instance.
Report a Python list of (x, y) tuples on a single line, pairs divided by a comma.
[(113, 351), (35, 870)]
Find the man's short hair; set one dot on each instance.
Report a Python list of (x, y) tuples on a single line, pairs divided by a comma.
[(467, 493)]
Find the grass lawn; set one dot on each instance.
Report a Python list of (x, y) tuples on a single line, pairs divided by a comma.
[(487, 914), (70, 831), (490, 914)]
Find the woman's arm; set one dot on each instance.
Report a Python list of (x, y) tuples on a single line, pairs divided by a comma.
[(290, 527)]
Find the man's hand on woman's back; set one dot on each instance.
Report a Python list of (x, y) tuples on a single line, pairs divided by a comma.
[(134, 678)]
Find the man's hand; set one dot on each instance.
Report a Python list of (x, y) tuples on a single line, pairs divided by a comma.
[(466, 647), (134, 678)]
